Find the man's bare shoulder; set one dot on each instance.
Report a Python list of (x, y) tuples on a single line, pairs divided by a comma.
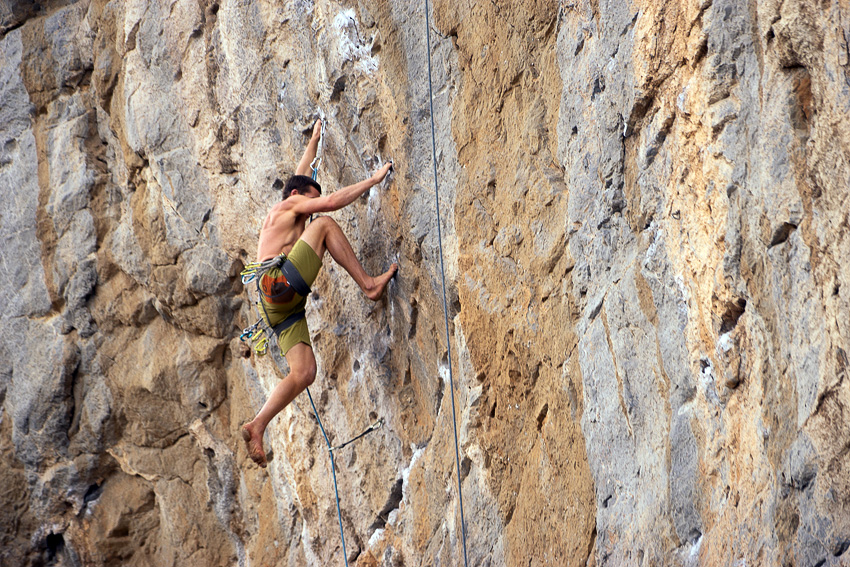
[(281, 208), (288, 204), (282, 213)]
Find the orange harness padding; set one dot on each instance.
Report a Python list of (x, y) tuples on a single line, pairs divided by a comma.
[(276, 289), (279, 285)]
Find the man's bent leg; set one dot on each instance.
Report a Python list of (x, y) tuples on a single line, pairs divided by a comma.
[(302, 373), (324, 234)]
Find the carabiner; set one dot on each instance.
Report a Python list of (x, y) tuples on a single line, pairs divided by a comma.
[(262, 346)]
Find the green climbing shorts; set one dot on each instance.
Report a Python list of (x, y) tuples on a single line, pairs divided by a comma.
[(308, 264)]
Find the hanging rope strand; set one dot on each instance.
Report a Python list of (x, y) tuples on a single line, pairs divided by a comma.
[(443, 275), (333, 470)]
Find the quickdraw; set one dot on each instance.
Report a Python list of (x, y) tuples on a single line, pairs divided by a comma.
[(317, 161), (374, 427), (255, 335)]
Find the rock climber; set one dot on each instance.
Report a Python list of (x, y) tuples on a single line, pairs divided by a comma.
[(285, 232)]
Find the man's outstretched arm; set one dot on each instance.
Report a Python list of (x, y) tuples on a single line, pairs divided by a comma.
[(341, 198), (310, 153)]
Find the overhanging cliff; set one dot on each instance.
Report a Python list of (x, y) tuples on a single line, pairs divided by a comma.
[(646, 235)]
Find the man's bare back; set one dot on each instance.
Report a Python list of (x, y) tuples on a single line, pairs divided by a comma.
[(281, 230)]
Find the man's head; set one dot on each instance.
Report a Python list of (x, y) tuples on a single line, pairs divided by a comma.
[(301, 184)]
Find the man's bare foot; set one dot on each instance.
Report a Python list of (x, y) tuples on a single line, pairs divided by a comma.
[(254, 444), (379, 283)]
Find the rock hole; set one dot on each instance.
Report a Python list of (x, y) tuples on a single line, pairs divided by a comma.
[(414, 317), (493, 409), (579, 46), (93, 493), (339, 88), (541, 417), (202, 404), (465, 467), (782, 233), (704, 363), (702, 50), (373, 417), (209, 453), (119, 531), (441, 385), (356, 366), (607, 500), (598, 87), (841, 547), (733, 312), (55, 545), (455, 307), (596, 310)]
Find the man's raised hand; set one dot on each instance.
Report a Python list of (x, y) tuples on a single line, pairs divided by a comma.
[(381, 173)]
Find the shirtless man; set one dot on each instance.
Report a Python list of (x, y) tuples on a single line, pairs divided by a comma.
[(284, 232)]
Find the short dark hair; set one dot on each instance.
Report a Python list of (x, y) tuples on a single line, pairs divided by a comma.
[(296, 182)]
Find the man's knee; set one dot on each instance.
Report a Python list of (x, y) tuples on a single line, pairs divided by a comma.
[(306, 375), (322, 223)]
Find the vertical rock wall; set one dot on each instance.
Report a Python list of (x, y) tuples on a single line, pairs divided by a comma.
[(646, 238)]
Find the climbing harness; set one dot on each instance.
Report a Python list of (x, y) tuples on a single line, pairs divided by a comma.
[(443, 274), (317, 161), (280, 289)]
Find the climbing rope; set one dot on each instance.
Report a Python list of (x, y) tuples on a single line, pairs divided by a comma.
[(443, 275), (377, 425)]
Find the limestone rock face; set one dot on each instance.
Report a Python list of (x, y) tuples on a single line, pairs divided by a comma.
[(645, 230)]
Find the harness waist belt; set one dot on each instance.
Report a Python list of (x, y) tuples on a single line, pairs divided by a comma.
[(295, 280)]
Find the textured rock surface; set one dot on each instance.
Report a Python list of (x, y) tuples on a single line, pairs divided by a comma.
[(646, 236)]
